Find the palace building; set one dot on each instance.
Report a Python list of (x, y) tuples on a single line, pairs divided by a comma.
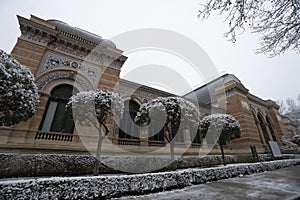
[(66, 60)]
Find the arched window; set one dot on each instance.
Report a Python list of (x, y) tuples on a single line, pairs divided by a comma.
[(257, 126), (128, 129), (179, 136), (269, 122), (263, 128), (55, 118), (195, 136)]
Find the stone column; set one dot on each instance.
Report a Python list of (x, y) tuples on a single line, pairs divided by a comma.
[(144, 136), (187, 137)]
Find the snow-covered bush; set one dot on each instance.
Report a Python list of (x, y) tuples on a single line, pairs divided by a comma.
[(93, 108), (227, 123), (18, 92), (224, 125), (175, 112), (296, 139)]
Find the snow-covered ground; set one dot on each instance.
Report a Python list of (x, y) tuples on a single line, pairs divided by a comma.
[(270, 185), (94, 187)]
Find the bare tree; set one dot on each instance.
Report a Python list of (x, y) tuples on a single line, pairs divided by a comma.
[(282, 107), (292, 105), (278, 21), (292, 110)]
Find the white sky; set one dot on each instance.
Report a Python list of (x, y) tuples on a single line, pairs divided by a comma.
[(275, 78)]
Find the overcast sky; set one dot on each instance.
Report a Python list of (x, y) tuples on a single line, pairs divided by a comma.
[(269, 78)]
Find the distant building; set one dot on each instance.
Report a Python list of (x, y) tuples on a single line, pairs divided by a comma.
[(63, 61)]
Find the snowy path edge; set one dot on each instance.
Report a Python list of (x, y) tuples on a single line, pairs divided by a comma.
[(96, 187)]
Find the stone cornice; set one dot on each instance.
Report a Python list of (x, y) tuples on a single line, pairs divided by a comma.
[(44, 33), (231, 85), (130, 84), (35, 25), (268, 103)]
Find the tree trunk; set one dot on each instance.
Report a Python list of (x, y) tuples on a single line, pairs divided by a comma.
[(222, 152), (98, 152)]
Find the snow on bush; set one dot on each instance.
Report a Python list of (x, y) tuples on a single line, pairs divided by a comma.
[(230, 128), (24, 165), (176, 111), (95, 106), (103, 187), (225, 126), (18, 92)]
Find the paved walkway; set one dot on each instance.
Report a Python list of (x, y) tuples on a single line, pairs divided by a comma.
[(278, 184)]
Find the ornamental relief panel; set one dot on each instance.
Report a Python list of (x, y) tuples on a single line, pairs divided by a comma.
[(53, 61), (101, 57), (39, 40), (41, 82)]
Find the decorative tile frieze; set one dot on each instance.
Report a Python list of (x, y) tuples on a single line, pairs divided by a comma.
[(100, 58), (53, 61), (79, 54), (60, 75), (50, 77)]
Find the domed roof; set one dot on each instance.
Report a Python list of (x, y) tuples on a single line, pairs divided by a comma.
[(56, 22), (230, 77), (108, 43), (81, 33)]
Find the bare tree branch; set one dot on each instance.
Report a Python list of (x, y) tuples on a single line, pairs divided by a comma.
[(277, 21)]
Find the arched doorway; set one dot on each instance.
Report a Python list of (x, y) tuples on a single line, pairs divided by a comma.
[(128, 129), (269, 124), (55, 118), (196, 137), (179, 136), (257, 123), (263, 128)]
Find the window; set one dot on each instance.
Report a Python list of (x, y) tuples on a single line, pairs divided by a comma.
[(195, 136), (263, 128), (158, 136), (179, 137), (269, 123), (55, 118), (128, 129)]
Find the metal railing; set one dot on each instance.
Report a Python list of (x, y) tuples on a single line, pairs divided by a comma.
[(123, 141), (196, 145), (156, 143), (54, 136)]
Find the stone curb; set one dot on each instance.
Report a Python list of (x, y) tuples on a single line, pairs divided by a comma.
[(102, 187)]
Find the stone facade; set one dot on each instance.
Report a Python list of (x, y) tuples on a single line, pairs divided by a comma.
[(260, 119), (61, 56)]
